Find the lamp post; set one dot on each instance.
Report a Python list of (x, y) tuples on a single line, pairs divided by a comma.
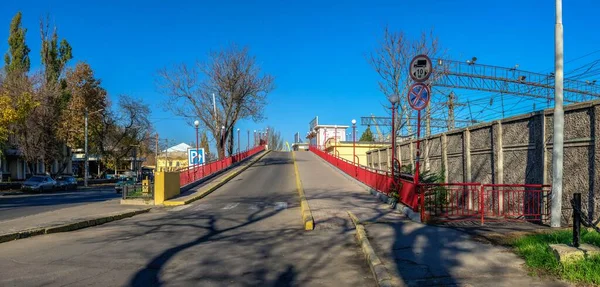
[(223, 139), (254, 137), (238, 140), (86, 164), (248, 146), (353, 141), (196, 124), (335, 140), (394, 99), (267, 137)]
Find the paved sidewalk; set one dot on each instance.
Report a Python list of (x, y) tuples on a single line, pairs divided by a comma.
[(418, 254), (66, 219)]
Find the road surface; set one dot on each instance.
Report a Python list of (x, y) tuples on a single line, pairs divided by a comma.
[(14, 206), (247, 233)]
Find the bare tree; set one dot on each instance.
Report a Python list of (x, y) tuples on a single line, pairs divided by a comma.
[(391, 61), (235, 80), (275, 140), (124, 130)]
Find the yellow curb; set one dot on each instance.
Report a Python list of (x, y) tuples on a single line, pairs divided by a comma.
[(381, 274), (202, 193), (307, 218)]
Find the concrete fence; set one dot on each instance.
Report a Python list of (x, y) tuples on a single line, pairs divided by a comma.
[(515, 150)]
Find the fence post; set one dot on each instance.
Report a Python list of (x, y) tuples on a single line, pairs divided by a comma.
[(576, 219), (481, 203)]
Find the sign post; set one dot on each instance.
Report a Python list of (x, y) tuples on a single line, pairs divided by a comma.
[(419, 96)]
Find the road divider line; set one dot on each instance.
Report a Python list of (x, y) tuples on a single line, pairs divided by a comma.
[(307, 218), (380, 272), (219, 182)]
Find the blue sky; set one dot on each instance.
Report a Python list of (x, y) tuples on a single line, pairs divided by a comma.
[(316, 49)]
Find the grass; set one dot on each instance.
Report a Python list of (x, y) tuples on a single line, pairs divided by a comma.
[(534, 249)]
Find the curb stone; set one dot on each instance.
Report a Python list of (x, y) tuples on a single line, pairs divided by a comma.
[(69, 226), (381, 274), (201, 194), (307, 218)]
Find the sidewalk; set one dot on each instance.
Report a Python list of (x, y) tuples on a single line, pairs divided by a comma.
[(414, 253), (66, 219)]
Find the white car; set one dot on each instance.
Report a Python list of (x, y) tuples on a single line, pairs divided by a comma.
[(38, 183)]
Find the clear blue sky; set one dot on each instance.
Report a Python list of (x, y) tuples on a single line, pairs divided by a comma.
[(316, 51)]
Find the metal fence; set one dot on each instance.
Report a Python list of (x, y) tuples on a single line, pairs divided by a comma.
[(194, 173), (376, 179), (138, 190), (484, 202)]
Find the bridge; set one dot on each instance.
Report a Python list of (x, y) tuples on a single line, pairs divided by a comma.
[(245, 222)]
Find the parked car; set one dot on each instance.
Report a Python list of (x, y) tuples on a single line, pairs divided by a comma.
[(66, 182), (39, 183), (123, 182)]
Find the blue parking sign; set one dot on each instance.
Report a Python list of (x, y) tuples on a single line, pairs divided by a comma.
[(195, 156)]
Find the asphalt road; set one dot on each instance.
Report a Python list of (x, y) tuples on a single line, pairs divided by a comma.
[(13, 206), (247, 233)]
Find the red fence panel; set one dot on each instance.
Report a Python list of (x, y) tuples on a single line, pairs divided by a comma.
[(376, 179), (516, 201), (194, 173), (450, 201)]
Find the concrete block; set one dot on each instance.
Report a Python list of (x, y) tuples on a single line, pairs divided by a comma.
[(589, 249), (565, 253)]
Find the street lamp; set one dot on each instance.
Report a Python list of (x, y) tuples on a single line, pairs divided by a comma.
[(86, 163), (196, 124), (267, 137), (248, 146), (223, 140), (254, 137), (394, 99), (238, 140), (353, 141)]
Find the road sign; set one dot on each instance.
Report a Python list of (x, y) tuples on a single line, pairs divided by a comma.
[(420, 68), (194, 157), (419, 96)]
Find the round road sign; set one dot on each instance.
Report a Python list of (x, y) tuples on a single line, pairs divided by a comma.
[(420, 68), (419, 96)]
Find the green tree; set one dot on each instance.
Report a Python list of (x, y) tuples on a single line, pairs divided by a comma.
[(17, 58), (204, 145), (54, 56), (367, 135)]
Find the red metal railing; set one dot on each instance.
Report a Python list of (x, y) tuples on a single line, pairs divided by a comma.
[(516, 201), (450, 201), (191, 174), (379, 180), (475, 201)]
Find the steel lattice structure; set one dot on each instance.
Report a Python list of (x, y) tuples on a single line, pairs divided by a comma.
[(472, 76), (387, 121)]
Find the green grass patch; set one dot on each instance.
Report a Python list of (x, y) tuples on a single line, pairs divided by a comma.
[(534, 249)]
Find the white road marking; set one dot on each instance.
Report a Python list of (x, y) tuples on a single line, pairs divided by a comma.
[(179, 208), (280, 205), (231, 206)]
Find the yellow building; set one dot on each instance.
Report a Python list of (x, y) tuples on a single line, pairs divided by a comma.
[(346, 149), (173, 158)]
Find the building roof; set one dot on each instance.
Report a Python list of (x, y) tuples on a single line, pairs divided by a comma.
[(182, 147), (331, 126)]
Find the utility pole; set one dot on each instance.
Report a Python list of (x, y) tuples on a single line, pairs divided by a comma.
[(86, 164), (156, 154), (470, 112), (557, 147), (451, 111)]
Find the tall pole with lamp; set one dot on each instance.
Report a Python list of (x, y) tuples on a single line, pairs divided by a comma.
[(248, 145), (353, 140), (238, 141), (197, 161), (223, 140), (394, 99)]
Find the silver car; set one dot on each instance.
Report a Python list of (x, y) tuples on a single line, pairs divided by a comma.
[(39, 183)]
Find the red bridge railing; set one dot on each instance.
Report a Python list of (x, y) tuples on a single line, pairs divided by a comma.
[(191, 174), (379, 180)]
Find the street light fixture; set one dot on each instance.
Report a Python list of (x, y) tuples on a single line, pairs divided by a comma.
[(238, 140), (394, 99), (354, 141), (223, 139), (196, 124)]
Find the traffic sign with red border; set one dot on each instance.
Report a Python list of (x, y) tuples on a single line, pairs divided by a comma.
[(419, 95)]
